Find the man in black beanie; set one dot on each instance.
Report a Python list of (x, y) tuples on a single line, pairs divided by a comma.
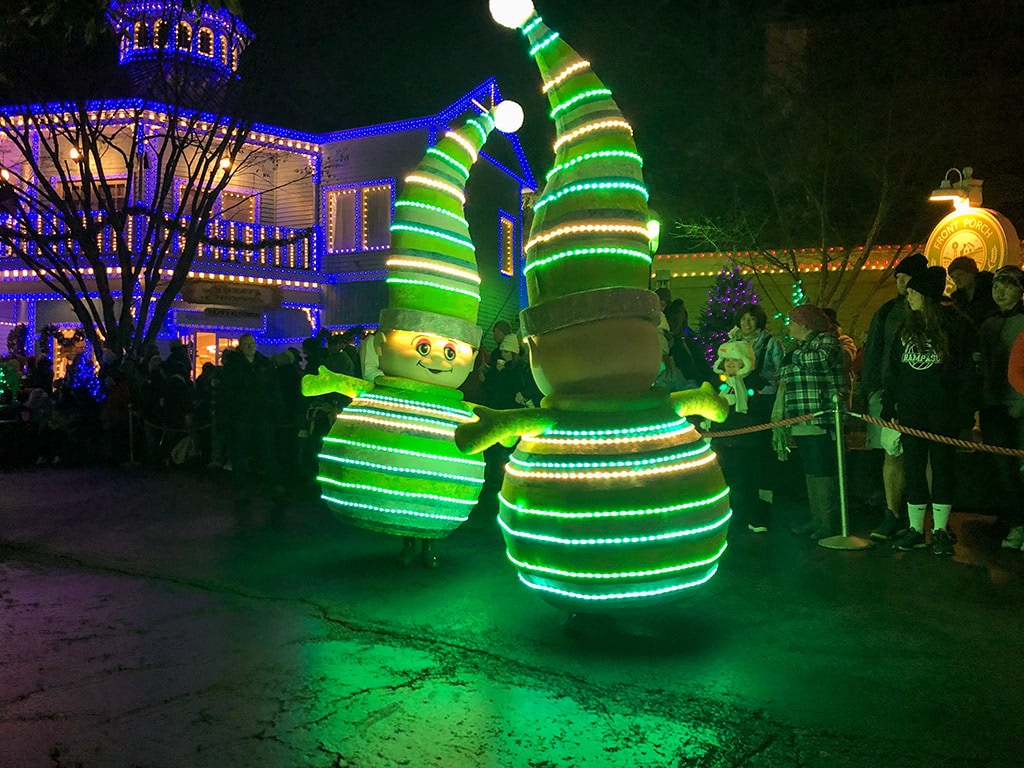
[(885, 324)]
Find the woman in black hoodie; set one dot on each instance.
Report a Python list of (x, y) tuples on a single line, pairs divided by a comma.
[(931, 383)]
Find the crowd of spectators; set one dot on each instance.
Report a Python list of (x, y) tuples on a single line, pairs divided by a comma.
[(941, 364)]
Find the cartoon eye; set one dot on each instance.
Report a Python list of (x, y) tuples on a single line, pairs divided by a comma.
[(423, 347), (449, 352)]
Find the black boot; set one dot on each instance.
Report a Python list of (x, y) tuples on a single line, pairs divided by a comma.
[(408, 553), (428, 558)]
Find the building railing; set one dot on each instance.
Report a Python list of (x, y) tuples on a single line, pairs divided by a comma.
[(286, 247)]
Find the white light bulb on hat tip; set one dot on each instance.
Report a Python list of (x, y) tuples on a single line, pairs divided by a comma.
[(511, 13), (508, 116)]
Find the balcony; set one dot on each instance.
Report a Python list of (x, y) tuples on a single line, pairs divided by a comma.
[(290, 248)]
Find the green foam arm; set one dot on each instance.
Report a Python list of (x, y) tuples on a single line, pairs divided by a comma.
[(504, 427), (703, 402), (328, 382)]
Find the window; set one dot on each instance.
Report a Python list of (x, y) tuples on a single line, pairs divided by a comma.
[(141, 35), (159, 33), (341, 220), (75, 195), (206, 42), (183, 37), (238, 206), (359, 218), (376, 217), (224, 49), (506, 244)]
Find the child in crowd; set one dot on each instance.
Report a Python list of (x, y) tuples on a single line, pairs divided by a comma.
[(740, 455)]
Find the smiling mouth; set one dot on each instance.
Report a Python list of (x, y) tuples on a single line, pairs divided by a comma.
[(434, 371)]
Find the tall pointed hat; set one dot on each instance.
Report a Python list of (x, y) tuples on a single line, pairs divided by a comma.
[(433, 283), (588, 255)]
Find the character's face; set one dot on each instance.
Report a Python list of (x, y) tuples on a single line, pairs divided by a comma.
[(901, 283), (914, 300), (748, 324), (426, 357), (1005, 294), (731, 366)]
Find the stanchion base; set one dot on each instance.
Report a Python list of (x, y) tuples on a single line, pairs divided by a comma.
[(845, 542)]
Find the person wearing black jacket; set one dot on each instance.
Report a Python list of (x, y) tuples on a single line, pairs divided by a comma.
[(931, 383), (885, 324)]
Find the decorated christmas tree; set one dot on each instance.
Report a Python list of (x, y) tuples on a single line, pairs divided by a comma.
[(730, 292), (82, 375)]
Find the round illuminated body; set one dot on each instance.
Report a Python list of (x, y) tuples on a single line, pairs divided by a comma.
[(425, 357), (615, 506), (389, 463)]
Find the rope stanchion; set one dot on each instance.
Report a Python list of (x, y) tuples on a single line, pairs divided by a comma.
[(968, 444), (711, 434), (844, 541)]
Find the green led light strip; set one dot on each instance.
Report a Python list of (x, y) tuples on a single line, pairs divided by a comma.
[(593, 93), (609, 474), (380, 412), (621, 575), (392, 510), (687, 454), (403, 451), (446, 433), (532, 25), (400, 470), (594, 156), (403, 494), (443, 416), (429, 284), (543, 44), (434, 208), (587, 186), (614, 513), (618, 539), (479, 129), (622, 595), (442, 409), (422, 229), (663, 427), (643, 256), (449, 160)]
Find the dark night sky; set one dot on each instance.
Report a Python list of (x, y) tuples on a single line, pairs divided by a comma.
[(330, 66)]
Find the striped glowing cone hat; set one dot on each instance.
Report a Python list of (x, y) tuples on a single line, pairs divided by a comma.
[(433, 283), (588, 255)]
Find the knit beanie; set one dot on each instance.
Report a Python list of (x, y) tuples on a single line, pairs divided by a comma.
[(912, 264), (1010, 274), (588, 255), (433, 282), (931, 283), (810, 316)]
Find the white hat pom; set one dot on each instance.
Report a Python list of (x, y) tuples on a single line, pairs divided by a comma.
[(511, 13)]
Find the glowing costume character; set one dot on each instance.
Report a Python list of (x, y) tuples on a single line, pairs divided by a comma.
[(390, 463), (611, 498)]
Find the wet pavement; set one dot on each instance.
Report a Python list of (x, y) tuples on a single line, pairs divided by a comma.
[(142, 624)]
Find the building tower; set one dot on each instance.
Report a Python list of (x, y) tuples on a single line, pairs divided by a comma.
[(178, 55)]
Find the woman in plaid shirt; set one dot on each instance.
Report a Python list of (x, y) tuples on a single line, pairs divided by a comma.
[(812, 379)]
